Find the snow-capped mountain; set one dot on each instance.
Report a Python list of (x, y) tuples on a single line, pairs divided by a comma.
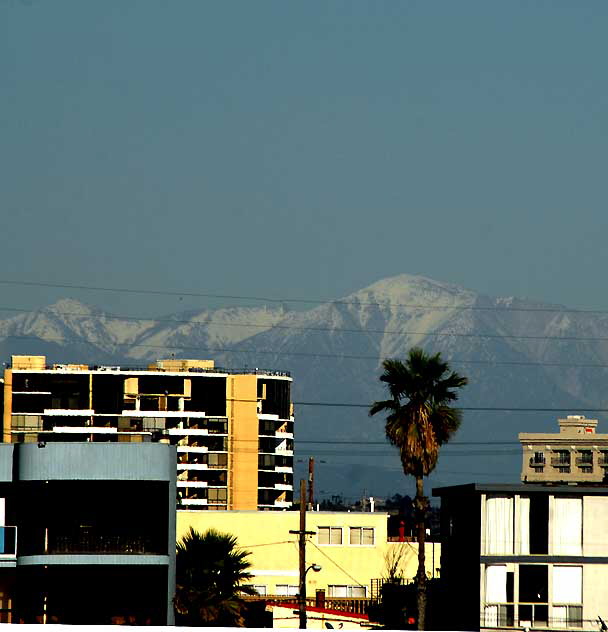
[(516, 353)]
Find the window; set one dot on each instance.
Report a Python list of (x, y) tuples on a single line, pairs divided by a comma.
[(217, 494), (584, 461), (538, 461), (217, 460), (533, 595), (362, 535), (567, 616), (567, 610), (533, 524), (261, 589), (286, 590), (499, 525), (561, 461), (498, 609), (346, 591), (567, 526), (330, 535), (266, 461)]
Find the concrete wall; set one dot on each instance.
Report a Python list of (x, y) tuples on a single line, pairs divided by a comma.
[(241, 402)]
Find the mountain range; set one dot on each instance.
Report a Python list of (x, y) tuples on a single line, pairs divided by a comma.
[(527, 363)]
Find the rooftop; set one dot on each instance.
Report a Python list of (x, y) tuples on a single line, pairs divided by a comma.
[(520, 488)]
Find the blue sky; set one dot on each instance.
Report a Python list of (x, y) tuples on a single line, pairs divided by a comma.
[(302, 149)]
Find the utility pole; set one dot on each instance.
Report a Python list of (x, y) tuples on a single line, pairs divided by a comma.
[(302, 533), (311, 483)]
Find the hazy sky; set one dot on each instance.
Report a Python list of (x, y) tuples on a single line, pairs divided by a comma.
[(302, 149)]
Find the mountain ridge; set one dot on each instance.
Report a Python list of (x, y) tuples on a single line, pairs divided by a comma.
[(516, 352)]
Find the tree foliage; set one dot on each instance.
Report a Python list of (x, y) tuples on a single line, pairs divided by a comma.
[(211, 575), (419, 416), (419, 419)]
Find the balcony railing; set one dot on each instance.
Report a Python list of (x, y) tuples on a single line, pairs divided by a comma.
[(352, 605), (529, 615), (86, 543), (147, 369), (537, 463), (89, 541)]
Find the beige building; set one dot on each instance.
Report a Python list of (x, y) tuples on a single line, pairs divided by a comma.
[(576, 454), (233, 429)]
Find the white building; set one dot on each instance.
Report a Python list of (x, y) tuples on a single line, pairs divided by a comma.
[(525, 556)]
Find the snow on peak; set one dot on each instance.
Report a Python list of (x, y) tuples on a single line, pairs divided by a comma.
[(412, 290)]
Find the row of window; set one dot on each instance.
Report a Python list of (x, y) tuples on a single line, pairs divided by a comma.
[(562, 459), (521, 597), (357, 535), (522, 524), (291, 590)]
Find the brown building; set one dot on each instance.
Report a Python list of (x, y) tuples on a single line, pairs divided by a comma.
[(233, 429), (575, 454)]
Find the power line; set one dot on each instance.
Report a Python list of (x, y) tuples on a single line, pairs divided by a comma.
[(470, 408), (169, 347), (267, 299), (335, 563), (357, 330)]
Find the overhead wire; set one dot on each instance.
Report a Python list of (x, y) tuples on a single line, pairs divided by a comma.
[(318, 301), (341, 356), (335, 563), (319, 329)]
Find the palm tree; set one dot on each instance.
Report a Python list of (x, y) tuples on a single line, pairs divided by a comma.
[(419, 420), (211, 575)]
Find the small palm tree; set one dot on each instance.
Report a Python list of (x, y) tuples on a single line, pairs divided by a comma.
[(419, 420), (211, 575)]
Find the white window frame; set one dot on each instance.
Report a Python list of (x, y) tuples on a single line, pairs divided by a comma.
[(348, 589), (330, 531), (286, 590), (360, 530)]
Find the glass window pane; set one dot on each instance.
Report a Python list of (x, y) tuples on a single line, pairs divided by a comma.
[(567, 584), (336, 535), (323, 535), (367, 536)]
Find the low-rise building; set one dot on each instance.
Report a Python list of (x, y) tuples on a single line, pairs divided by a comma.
[(352, 549), (87, 533)]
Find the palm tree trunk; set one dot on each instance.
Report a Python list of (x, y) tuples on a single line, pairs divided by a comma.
[(420, 513)]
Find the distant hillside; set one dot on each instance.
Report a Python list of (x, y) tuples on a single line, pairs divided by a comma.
[(516, 353)]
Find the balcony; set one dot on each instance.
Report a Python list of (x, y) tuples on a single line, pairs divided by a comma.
[(89, 540), (537, 463)]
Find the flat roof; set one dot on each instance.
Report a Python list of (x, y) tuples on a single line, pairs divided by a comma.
[(520, 488)]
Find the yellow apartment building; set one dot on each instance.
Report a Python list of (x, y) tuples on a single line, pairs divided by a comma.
[(352, 549), (233, 428)]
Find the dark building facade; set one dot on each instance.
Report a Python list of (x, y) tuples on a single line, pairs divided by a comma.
[(87, 533)]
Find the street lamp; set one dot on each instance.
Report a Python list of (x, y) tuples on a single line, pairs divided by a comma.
[(302, 596)]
